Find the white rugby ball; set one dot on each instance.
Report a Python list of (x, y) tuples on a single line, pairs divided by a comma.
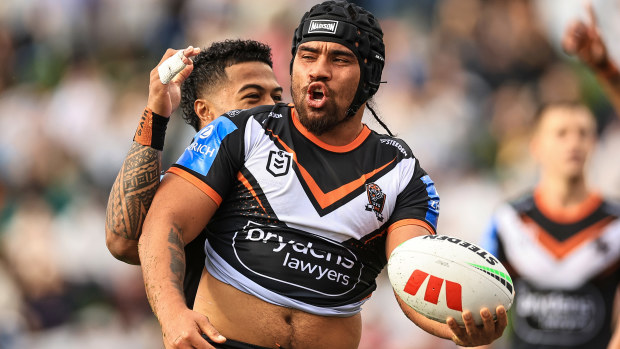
[(440, 276)]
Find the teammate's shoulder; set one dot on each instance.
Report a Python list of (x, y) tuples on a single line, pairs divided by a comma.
[(611, 206), (522, 202), (266, 109), (393, 144), (218, 128), (263, 111), (273, 112), (240, 116)]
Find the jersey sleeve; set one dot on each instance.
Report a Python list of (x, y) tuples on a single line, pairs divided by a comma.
[(213, 159), (417, 204), (490, 240)]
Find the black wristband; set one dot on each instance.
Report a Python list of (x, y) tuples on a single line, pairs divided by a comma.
[(152, 130), (160, 123)]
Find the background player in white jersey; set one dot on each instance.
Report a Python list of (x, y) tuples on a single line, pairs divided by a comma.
[(560, 241), (303, 204), (229, 74)]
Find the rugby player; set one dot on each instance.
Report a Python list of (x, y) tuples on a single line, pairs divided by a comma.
[(303, 204), (228, 75), (560, 240)]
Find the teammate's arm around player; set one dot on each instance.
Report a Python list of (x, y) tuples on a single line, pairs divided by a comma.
[(138, 178), (470, 335), (584, 40)]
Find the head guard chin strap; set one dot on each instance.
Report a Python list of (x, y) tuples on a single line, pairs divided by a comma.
[(357, 29)]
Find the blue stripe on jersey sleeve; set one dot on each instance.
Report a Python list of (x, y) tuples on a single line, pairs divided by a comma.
[(489, 238), (199, 155), (432, 213)]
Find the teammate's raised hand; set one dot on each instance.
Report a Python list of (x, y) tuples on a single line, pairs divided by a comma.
[(583, 39), (165, 98)]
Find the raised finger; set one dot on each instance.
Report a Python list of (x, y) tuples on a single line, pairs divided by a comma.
[(568, 40), (187, 52), (191, 51), (591, 14)]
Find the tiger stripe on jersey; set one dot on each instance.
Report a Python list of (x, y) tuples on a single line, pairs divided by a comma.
[(545, 251), (327, 201), (560, 249), (247, 184)]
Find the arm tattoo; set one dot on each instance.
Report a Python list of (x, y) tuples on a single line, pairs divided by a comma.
[(133, 191), (177, 257)]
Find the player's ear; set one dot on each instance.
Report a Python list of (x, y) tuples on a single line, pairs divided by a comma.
[(205, 110)]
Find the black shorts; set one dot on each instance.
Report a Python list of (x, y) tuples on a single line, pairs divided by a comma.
[(233, 344)]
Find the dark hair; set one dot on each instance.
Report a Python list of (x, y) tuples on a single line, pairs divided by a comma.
[(565, 104), (209, 70)]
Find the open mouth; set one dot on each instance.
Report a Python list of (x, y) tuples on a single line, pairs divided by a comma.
[(317, 94)]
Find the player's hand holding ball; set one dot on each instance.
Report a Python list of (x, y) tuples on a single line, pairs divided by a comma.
[(166, 79), (452, 281)]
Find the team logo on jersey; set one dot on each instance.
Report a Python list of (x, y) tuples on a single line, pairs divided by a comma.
[(278, 163), (376, 200)]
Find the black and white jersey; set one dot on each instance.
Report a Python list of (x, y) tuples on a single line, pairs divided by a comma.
[(300, 223), (566, 268)]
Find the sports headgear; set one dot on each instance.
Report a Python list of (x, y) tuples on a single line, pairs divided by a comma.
[(354, 27)]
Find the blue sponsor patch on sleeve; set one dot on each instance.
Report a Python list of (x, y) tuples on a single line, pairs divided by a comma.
[(432, 213), (199, 155)]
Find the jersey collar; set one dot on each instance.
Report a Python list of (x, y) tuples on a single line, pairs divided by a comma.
[(336, 149)]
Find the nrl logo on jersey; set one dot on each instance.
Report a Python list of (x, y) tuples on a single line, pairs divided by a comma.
[(323, 26), (376, 200), (278, 163)]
